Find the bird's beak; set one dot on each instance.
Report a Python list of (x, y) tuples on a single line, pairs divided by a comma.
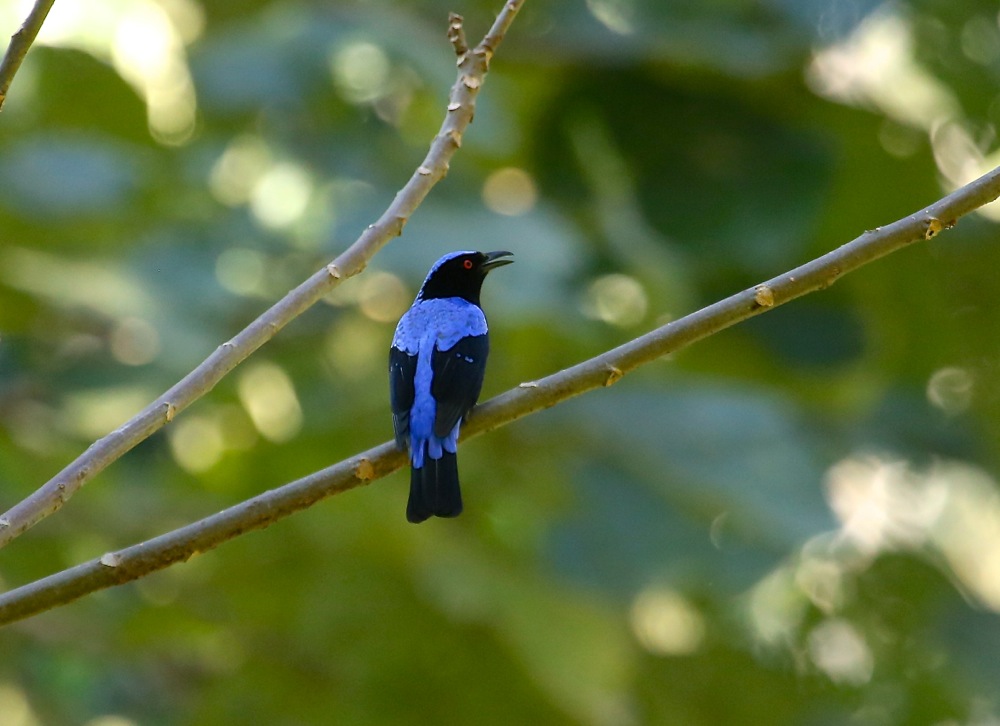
[(495, 259)]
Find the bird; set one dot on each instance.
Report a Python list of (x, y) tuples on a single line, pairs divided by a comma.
[(437, 361)]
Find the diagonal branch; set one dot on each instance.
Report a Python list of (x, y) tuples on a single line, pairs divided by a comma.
[(133, 562), (19, 44), (472, 69)]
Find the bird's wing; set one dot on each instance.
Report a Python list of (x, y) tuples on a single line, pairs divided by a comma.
[(402, 368), (457, 380)]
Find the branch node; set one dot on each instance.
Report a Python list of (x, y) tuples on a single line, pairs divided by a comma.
[(528, 384), (364, 471), (333, 271), (111, 559), (763, 296), (169, 411), (614, 375), (454, 106), (4, 523), (471, 82), (932, 225), (485, 54), (424, 170)]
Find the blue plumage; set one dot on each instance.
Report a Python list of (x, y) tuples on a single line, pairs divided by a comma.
[(436, 367)]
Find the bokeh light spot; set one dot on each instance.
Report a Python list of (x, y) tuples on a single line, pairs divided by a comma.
[(268, 396), (238, 431), (665, 623), (776, 607), (615, 15), (968, 531), (94, 413), (148, 52), (876, 66), (187, 17), (980, 40), (899, 140), (15, 707), (32, 427), (950, 389), (616, 299), (841, 652), (144, 40), (281, 195), (360, 71), (383, 297), (241, 165), (110, 719), (958, 156), (196, 443), (134, 342), (510, 191), (160, 589), (97, 285), (241, 271), (881, 504), (355, 346)]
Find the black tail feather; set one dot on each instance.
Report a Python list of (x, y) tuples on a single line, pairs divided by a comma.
[(434, 490)]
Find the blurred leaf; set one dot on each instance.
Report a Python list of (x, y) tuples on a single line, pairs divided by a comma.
[(669, 153), (714, 451), (622, 537), (571, 647), (51, 176)]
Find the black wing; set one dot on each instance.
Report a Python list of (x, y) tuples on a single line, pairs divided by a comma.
[(458, 378), (402, 368)]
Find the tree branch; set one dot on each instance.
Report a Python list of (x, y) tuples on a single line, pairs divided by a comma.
[(133, 562), (472, 71), (19, 44)]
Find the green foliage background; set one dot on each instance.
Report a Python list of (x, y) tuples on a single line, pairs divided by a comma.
[(794, 522)]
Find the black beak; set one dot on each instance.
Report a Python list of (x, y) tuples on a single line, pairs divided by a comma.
[(495, 259)]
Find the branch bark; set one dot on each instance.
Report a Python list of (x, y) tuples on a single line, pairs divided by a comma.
[(133, 562), (472, 69), (20, 42)]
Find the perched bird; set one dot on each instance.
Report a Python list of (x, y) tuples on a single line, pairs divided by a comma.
[(436, 366)]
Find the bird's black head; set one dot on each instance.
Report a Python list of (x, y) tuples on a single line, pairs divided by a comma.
[(461, 274)]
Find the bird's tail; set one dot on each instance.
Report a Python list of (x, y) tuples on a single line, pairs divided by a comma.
[(434, 489)]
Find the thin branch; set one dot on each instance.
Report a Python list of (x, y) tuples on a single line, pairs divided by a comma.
[(51, 496), (131, 563), (19, 44), (456, 35)]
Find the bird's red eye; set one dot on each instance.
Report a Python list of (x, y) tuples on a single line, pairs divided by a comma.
[(467, 264)]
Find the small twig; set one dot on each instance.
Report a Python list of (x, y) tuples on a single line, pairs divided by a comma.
[(131, 563), (461, 106), (456, 35), (19, 44)]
